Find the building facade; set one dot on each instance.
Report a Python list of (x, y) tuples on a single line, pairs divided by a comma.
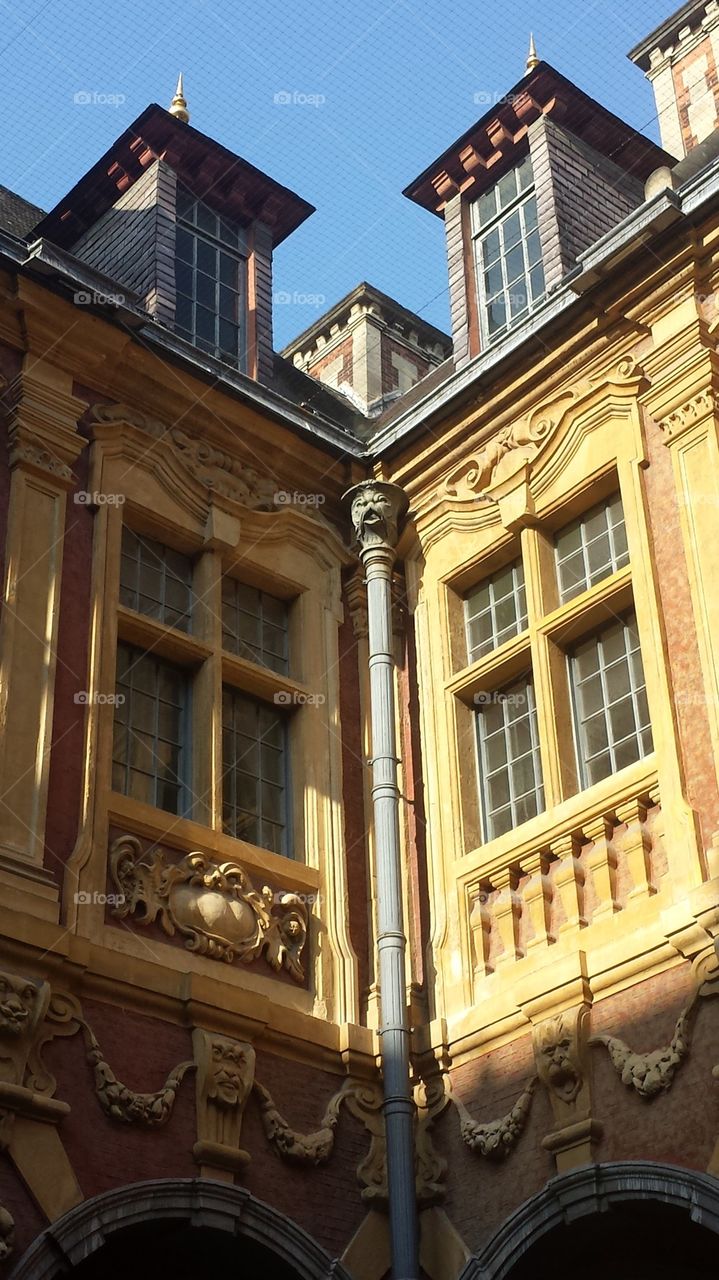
[(193, 880)]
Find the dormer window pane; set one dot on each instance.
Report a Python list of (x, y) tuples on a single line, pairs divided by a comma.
[(209, 279), (508, 251)]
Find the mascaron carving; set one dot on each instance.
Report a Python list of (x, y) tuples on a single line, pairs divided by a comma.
[(558, 1051), (376, 508), (214, 906), (225, 1076)]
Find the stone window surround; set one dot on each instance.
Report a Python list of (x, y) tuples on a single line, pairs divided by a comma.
[(167, 500)]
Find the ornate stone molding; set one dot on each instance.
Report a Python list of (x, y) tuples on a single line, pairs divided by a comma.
[(496, 1138), (694, 410), (375, 510), (225, 1076), (214, 906), (300, 1148), (211, 466), (501, 457), (650, 1073), (42, 422)]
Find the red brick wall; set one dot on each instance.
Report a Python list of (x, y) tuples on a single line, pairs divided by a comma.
[(390, 375), (686, 71), (141, 1052), (343, 349)]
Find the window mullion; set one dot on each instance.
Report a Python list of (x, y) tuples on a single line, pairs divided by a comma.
[(207, 694)]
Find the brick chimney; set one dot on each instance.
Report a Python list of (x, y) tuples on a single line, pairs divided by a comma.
[(680, 59)]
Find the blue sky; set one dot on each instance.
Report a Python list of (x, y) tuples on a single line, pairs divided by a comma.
[(381, 87)]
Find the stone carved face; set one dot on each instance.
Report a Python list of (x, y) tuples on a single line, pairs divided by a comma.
[(17, 1004), (231, 1072), (558, 1061), (373, 517)]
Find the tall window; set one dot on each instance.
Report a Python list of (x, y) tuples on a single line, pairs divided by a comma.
[(509, 764), (558, 657), (591, 548), (150, 745), (177, 653), (508, 253), (151, 755), (254, 751), (610, 701), (495, 611), (210, 279)]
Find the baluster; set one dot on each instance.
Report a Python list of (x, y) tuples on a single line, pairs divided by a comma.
[(602, 863), (569, 882), (635, 846), (537, 897), (480, 924), (506, 913)]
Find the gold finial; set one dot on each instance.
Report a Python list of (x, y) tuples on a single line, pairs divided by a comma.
[(178, 106), (532, 59)]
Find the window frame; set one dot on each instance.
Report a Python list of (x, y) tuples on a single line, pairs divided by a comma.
[(480, 234), (239, 253)]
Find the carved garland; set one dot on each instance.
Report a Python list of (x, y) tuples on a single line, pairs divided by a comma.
[(653, 1072), (214, 906)]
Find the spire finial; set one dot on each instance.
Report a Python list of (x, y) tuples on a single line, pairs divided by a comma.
[(178, 106), (532, 59)]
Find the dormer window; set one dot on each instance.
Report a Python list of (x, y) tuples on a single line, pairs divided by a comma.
[(508, 254), (210, 280)]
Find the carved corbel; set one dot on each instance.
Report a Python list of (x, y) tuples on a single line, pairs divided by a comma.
[(225, 1076), (495, 1138), (651, 1073), (560, 1052), (300, 1148), (23, 1004), (364, 1102), (431, 1098)]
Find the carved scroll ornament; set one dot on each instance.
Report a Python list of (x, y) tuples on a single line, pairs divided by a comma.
[(501, 457), (213, 905)]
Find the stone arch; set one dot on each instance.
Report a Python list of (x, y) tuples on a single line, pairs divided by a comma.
[(590, 1191), (196, 1203)]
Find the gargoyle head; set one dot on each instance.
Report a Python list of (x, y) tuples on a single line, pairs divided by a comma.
[(18, 997), (231, 1072)]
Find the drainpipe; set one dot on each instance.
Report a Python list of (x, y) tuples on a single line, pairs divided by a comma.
[(376, 508)]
